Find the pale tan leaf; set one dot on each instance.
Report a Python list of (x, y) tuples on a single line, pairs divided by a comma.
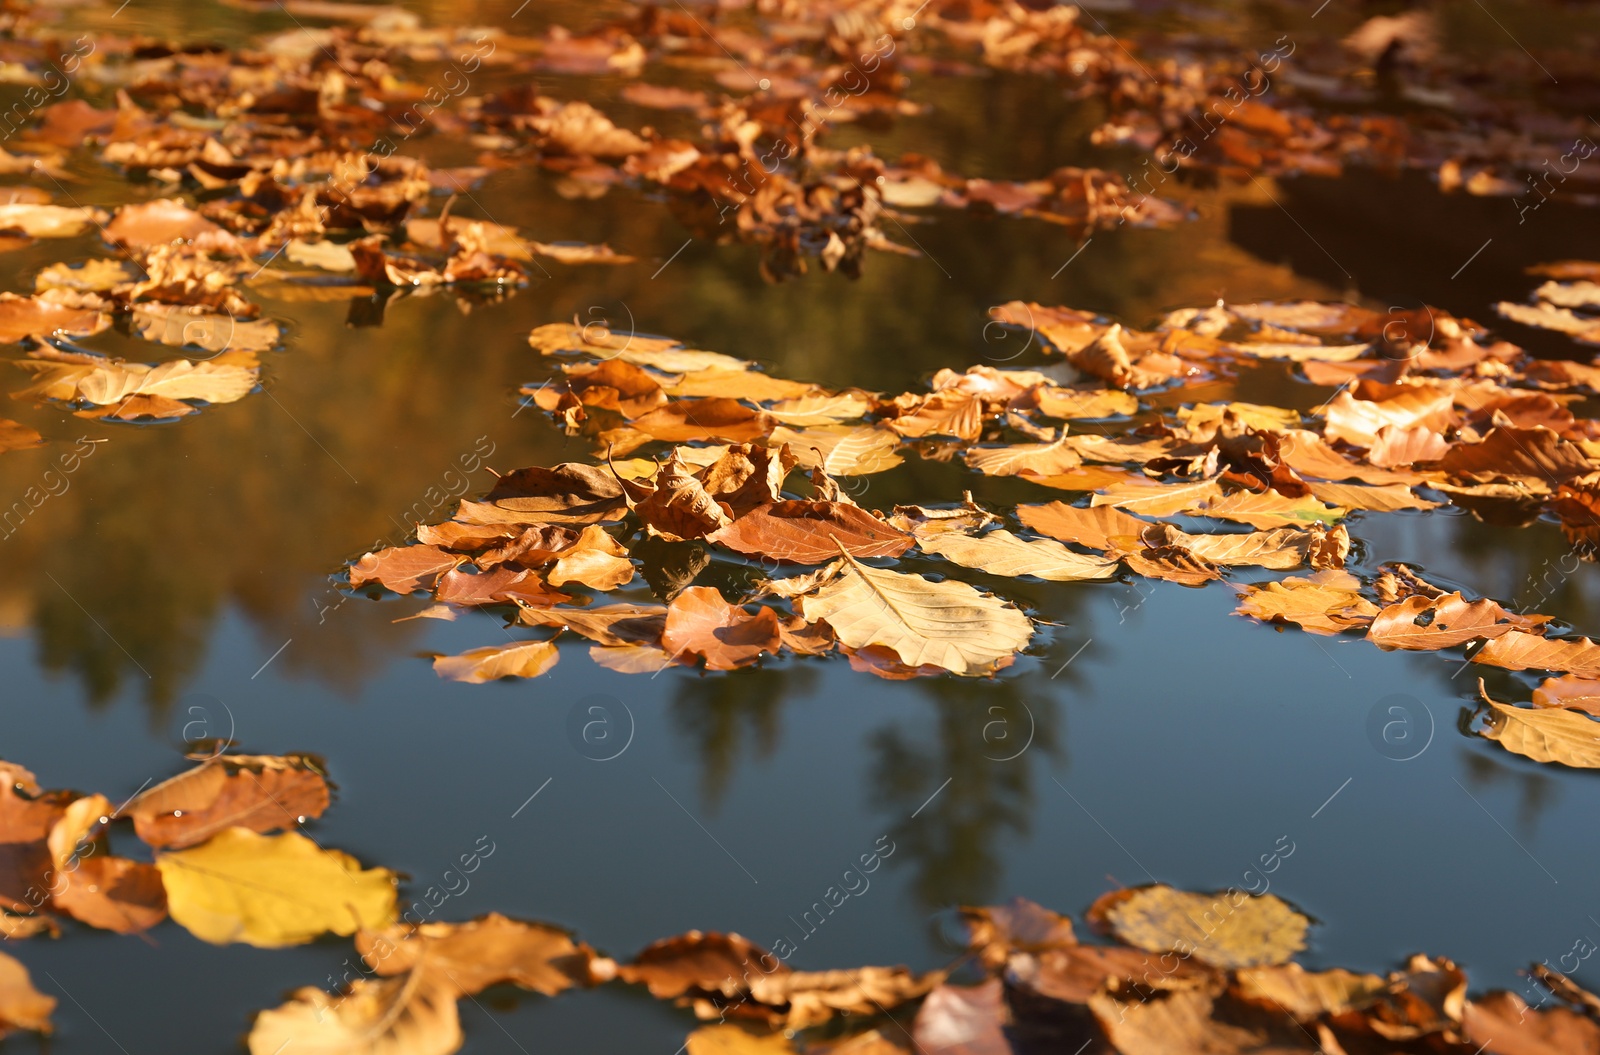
[(1001, 553)]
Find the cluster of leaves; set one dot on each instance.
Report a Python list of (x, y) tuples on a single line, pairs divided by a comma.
[(1182, 971), (1425, 409)]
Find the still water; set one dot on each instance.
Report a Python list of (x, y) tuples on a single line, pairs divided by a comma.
[(185, 585)]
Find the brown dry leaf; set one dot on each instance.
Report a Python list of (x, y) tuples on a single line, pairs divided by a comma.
[(700, 623), (112, 893), (997, 931), (1358, 421), (1279, 549), (570, 493), (723, 1039), (24, 317), (1140, 495), (1397, 447), (404, 569), (802, 999), (1168, 563), (182, 327), (711, 963), (1043, 459), (1522, 651), (1573, 693), (1423, 624), (15, 436), (632, 659), (806, 532), (1226, 929), (841, 450), (952, 412), (261, 792), (486, 951), (743, 384), (595, 560), (1544, 735), (1093, 527), (963, 1020), (21, 1005), (501, 585), (885, 663), (745, 477), (822, 409), (1536, 454), (1071, 404), (1305, 995), (947, 624), (1266, 509), (611, 385), (580, 253), (1503, 1024), (27, 814), (161, 222), (680, 507), (1328, 602), (48, 221), (1389, 498), (705, 419), (612, 624), (1188, 1021), (414, 1014), (1310, 456), (1001, 553), (215, 381), (521, 659)]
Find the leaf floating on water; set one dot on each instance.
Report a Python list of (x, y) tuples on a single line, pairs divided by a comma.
[(273, 890), (261, 792), (21, 1005), (1001, 553), (946, 624), (112, 893), (1425, 624), (1226, 929), (1544, 734), (522, 659), (801, 532), (700, 623), (486, 951), (1328, 602), (414, 1014)]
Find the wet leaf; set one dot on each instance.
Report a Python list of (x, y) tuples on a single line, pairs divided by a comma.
[(1226, 929), (841, 450), (1328, 602), (21, 1005), (570, 493), (1001, 553), (415, 1014), (1093, 527), (273, 890), (261, 792), (112, 893), (1043, 459), (24, 317), (486, 951), (403, 569), (612, 624), (1545, 735), (802, 532), (521, 659), (1425, 624), (1518, 650), (947, 624), (700, 623), (705, 419), (963, 1020), (595, 560)]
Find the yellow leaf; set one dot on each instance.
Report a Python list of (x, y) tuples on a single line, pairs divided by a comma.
[(273, 890), (1002, 553), (414, 1014)]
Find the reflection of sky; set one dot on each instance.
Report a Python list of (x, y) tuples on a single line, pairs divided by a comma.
[(1168, 758)]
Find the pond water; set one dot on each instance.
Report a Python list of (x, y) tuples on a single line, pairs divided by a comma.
[(186, 585)]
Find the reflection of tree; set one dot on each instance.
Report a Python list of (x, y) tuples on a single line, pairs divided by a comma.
[(719, 711), (1536, 790), (954, 838)]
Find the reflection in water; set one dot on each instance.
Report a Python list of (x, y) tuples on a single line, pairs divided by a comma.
[(959, 777), (735, 716)]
